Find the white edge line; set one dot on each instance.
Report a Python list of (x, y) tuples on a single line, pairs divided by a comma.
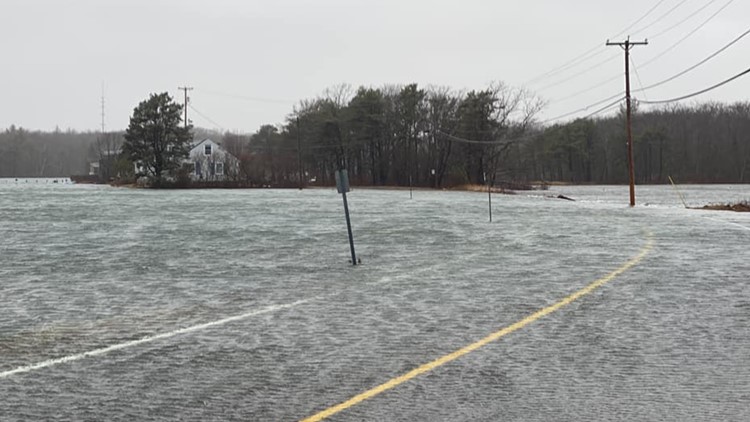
[(728, 222), (148, 339)]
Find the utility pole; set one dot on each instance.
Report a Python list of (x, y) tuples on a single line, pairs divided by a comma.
[(626, 46), (102, 107), (186, 89)]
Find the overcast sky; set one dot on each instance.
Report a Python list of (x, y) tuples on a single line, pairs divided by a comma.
[(250, 61)]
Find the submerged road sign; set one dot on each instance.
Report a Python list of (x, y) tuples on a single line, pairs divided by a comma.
[(342, 185), (342, 181)]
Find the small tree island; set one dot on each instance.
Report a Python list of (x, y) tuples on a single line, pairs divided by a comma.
[(155, 140)]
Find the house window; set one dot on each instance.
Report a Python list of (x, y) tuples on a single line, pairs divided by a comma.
[(219, 169), (198, 171), (207, 150)]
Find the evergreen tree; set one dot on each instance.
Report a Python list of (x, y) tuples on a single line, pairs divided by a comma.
[(155, 139)]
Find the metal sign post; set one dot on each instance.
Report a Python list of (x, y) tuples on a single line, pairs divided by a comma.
[(489, 195), (342, 185)]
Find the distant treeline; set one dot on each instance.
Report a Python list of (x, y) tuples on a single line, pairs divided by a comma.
[(25, 153), (437, 137), (708, 143)]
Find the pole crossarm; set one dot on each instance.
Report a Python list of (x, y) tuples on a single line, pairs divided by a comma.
[(627, 43)]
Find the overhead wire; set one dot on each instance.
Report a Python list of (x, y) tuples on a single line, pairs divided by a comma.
[(581, 73), (660, 18), (581, 58), (506, 141), (248, 98), (637, 76), (657, 20), (703, 91), (218, 126), (470, 141), (721, 50), (308, 147), (683, 20), (607, 81), (603, 109), (585, 71), (654, 85), (619, 97), (681, 40)]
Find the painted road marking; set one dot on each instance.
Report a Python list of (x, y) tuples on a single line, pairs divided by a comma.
[(149, 339), (489, 339)]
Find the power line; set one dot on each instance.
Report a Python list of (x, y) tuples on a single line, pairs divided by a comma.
[(645, 88), (703, 91), (659, 19), (605, 82), (644, 17), (304, 147), (567, 65), (605, 108), (584, 91), (695, 65), (220, 127), (637, 76), (581, 73), (684, 20), (470, 141), (583, 57), (619, 97), (248, 98), (681, 40)]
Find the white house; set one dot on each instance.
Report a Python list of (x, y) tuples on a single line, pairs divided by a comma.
[(212, 163)]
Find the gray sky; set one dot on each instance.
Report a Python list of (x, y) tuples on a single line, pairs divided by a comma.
[(251, 61)]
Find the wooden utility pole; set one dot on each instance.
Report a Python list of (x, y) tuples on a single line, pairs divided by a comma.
[(185, 89), (102, 107), (626, 46)]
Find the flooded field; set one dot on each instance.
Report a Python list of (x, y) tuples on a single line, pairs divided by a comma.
[(216, 305)]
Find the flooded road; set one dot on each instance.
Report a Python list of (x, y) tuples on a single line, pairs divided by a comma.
[(123, 304)]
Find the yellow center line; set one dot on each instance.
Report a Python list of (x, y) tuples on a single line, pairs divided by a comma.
[(490, 338)]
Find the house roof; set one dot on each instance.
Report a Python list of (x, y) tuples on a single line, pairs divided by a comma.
[(218, 145), (204, 140)]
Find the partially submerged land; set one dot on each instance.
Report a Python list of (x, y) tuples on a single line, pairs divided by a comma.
[(743, 206)]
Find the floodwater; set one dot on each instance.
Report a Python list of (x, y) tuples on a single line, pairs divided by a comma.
[(241, 305)]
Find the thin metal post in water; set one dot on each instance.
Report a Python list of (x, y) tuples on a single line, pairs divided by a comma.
[(299, 157), (349, 229), (342, 185), (489, 199)]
